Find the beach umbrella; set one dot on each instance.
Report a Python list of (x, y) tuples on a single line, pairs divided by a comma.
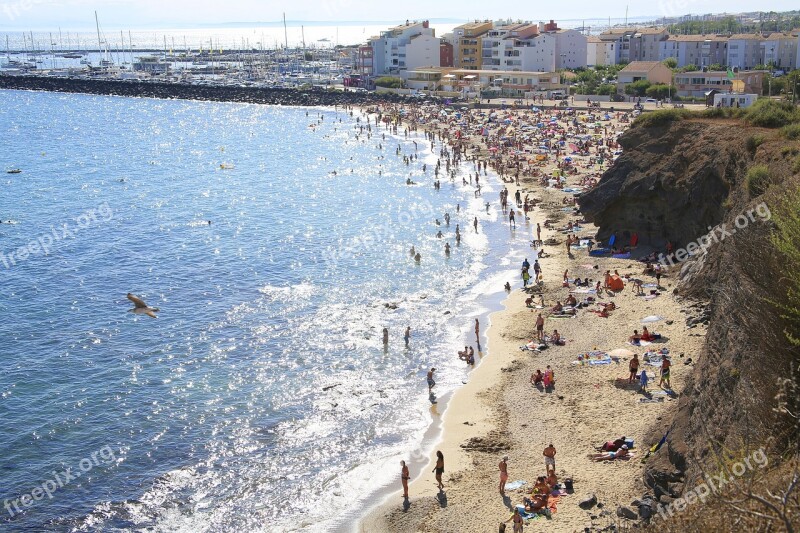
[(651, 319), (620, 352)]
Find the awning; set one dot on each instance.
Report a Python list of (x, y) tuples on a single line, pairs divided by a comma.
[(470, 77), (449, 76)]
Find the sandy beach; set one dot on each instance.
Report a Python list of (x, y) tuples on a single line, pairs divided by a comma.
[(499, 412)]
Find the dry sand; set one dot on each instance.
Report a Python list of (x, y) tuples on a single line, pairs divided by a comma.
[(500, 413)]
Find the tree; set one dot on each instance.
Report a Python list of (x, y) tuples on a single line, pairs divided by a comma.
[(660, 91), (606, 89), (390, 82), (671, 62), (637, 88)]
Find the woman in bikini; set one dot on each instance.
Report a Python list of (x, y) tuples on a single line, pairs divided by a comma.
[(439, 468)]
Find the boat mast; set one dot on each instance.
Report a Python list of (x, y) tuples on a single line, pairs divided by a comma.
[(97, 24), (285, 33)]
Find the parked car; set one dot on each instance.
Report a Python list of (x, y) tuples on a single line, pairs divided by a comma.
[(651, 100)]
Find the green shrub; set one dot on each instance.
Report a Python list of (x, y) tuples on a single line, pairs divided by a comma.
[(390, 82), (790, 150), (786, 240), (772, 113), (661, 117), (757, 180), (791, 131), (796, 166), (754, 141)]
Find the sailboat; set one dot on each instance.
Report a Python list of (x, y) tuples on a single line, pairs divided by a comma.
[(105, 62)]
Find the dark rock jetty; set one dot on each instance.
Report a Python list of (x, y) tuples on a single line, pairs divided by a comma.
[(252, 95)]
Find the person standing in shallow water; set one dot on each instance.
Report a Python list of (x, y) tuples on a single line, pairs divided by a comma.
[(407, 335), (477, 331), (475, 224), (404, 477), (439, 469)]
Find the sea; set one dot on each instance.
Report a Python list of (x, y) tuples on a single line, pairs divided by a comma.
[(275, 243)]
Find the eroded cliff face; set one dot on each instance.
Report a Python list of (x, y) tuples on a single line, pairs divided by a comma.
[(673, 182)]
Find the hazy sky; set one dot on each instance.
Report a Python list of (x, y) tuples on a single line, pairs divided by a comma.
[(130, 14)]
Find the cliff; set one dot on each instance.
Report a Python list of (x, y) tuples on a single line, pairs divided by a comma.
[(674, 181)]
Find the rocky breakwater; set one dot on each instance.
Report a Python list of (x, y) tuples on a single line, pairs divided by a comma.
[(253, 95), (670, 183)]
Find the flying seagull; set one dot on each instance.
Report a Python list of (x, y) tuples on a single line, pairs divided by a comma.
[(141, 308)]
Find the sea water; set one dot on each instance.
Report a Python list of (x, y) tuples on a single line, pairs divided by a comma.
[(275, 243)]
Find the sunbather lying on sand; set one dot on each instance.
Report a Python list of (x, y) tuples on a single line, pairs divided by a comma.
[(535, 504), (607, 456), (612, 446)]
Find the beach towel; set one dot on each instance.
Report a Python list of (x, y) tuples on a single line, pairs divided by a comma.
[(626, 255), (515, 484), (599, 251), (640, 343), (581, 290)]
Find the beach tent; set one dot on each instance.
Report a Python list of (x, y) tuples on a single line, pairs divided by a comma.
[(616, 283)]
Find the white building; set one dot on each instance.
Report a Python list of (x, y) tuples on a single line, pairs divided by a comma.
[(744, 51), (780, 49), (571, 49), (600, 52), (521, 47), (408, 46), (698, 50)]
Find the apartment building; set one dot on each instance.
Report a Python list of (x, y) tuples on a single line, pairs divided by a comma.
[(698, 83), (600, 52), (780, 50), (408, 46), (523, 47), (698, 50), (469, 37), (622, 41), (645, 44), (744, 51)]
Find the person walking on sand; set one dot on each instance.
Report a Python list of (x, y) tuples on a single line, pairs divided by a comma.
[(503, 466), (538, 232), (431, 383), (540, 327), (549, 458), (439, 469), (643, 382), (404, 477), (407, 335), (477, 331)]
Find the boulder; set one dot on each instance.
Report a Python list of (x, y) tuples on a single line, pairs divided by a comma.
[(588, 502), (627, 512)]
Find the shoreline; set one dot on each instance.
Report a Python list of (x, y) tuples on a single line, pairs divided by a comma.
[(492, 413), (491, 303)]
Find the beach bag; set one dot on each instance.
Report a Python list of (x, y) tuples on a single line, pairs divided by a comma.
[(568, 484)]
